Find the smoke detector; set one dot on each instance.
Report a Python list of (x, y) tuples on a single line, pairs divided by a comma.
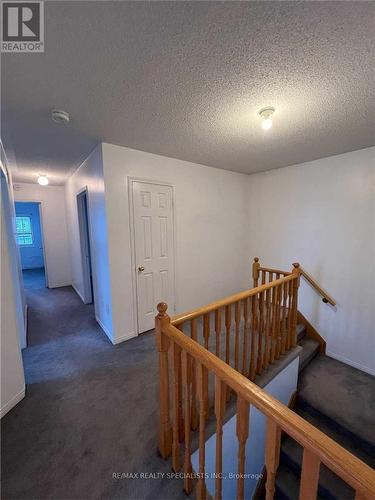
[(60, 116)]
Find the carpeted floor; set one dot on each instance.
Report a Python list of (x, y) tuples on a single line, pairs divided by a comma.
[(90, 410), (34, 278)]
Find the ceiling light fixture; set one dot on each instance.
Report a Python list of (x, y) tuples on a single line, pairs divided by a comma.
[(60, 116), (43, 180), (266, 115)]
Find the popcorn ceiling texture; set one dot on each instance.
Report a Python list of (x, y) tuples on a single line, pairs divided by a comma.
[(186, 80)]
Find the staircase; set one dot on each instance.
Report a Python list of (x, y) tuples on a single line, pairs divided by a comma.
[(310, 347), (348, 418), (214, 362)]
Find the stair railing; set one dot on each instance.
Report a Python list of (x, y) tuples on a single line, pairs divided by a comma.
[(326, 298), (267, 274), (252, 328), (192, 365)]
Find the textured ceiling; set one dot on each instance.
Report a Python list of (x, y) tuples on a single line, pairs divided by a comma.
[(186, 80)]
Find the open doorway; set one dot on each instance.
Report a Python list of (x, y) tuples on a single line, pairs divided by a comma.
[(29, 236), (84, 235)]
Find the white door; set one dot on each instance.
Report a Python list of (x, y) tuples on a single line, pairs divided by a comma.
[(154, 259)]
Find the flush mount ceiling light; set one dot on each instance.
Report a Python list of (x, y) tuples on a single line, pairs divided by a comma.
[(266, 115), (60, 116), (43, 180)]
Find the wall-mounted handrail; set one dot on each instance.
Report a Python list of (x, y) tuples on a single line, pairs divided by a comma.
[(325, 296), (258, 270)]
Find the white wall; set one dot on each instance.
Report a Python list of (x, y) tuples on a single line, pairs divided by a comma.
[(12, 321), (322, 214), (212, 260), (90, 176), (55, 235)]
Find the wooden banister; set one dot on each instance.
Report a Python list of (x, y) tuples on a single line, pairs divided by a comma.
[(325, 296), (201, 311), (274, 271), (257, 268), (320, 448)]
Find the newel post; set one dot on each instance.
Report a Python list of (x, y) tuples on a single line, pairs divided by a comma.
[(162, 342), (256, 267), (296, 271)]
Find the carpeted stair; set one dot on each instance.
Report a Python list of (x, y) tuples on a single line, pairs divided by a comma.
[(340, 401)]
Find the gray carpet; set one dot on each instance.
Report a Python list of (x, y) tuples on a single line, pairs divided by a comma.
[(34, 278), (90, 410), (342, 393)]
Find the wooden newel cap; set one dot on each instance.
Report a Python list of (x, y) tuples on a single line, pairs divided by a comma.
[(256, 259), (162, 308), (296, 265)]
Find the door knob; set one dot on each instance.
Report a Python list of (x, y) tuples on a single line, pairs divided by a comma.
[(141, 269)]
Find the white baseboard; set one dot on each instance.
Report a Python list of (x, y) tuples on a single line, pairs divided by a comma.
[(12, 402), (78, 293), (107, 332), (25, 325), (59, 285), (350, 362), (124, 338), (117, 340)]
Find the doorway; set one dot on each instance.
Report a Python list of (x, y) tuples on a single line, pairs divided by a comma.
[(84, 236), (152, 215), (29, 237)]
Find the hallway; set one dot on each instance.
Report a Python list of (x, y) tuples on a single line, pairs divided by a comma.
[(34, 278), (89, 411)]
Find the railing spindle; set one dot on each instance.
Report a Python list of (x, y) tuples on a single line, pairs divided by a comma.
[(272, 456), (263, 277), (180, 412), (295, 285), (186, 376), (206, 330), (268, 329), (237, 312), (176, 355), (220, 396), (201, 377), (309, 476), (289, 316), (228, 322), (263, 313), (253, 338), (218, 332), (278, 321), (194, 413), (242, 429), (283, 318), (260, 334), (274, 324), (206, 336), (245, 335)]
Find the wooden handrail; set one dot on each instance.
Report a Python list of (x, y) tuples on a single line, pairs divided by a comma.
[(275, 271), (350, 468), (201, 311), (257, 268), (318, 288)]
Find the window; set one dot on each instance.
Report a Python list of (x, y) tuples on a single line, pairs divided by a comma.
[(24, 232)]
